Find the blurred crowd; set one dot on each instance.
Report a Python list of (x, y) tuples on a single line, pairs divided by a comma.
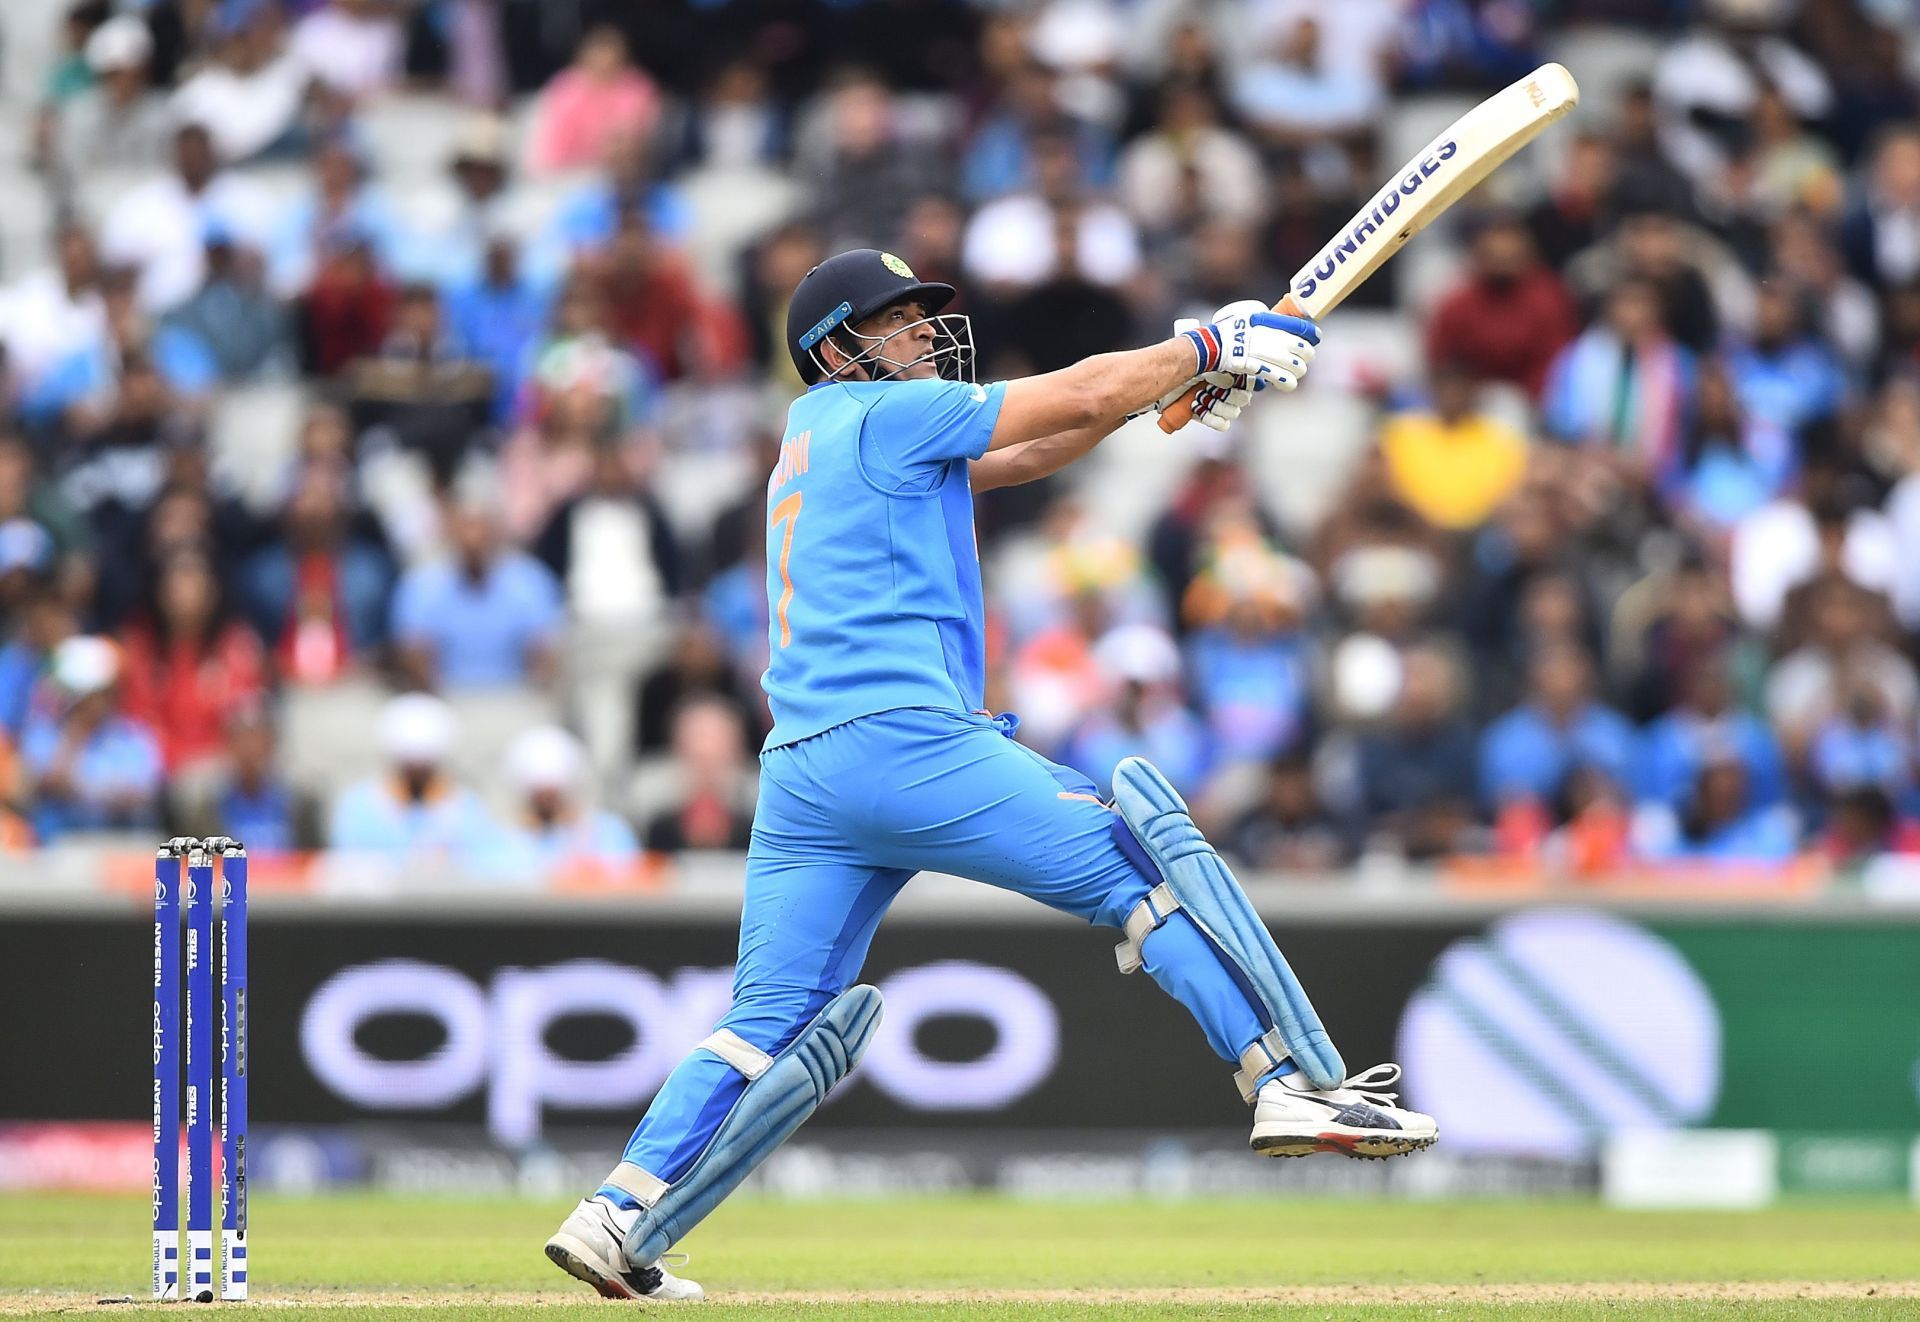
[(367, 494)]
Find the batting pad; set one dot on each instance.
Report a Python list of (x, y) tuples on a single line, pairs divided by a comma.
[(1198, 880), (783, 1091)]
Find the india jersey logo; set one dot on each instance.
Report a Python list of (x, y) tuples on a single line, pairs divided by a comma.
[(897, 266)]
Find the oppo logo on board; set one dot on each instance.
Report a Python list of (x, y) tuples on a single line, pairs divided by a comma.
[(495, 1037)]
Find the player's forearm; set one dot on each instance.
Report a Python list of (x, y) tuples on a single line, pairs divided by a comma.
[(1096, 392), (1032, 460)]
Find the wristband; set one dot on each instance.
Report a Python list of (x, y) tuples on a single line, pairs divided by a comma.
[(1206, 348)]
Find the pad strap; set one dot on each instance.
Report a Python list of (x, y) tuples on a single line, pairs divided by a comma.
[(739, 1053), (1265, 1052), (1146, 916), (646, 1187)]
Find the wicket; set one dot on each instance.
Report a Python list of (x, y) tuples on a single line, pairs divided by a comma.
[(194, 1048)]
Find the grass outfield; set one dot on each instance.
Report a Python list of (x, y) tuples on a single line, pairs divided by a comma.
[(351, 1257)]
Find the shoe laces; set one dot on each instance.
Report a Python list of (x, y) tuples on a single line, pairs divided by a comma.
[(1370, 1084)]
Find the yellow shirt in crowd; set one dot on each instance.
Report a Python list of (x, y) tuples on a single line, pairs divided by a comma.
[(1453, 476)]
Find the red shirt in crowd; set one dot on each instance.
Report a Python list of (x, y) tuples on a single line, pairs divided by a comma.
[(187, 691), (1504, 331)]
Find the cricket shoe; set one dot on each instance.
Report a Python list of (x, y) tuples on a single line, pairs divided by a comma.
[(590, 1245), (1291, 1118)]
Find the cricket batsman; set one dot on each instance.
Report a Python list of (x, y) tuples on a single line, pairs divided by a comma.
[(883, 761)]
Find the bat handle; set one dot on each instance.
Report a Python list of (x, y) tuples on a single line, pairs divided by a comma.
[(1179, 413)]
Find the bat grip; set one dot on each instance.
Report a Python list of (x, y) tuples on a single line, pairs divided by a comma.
[(1179, 413)]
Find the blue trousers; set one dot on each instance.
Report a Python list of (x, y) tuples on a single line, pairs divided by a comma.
[(845, 819)]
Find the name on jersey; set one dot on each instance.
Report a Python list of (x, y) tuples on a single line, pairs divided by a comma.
[(793, 460)]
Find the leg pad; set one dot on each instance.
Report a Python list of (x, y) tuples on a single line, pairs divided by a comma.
[(1196, 879), (783, 1091)]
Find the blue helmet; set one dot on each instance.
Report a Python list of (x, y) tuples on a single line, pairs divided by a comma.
[(851, 287)]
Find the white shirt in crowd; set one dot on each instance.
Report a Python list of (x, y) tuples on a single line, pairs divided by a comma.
[(354, 53), (43, 324), (244, 113), (162, 229), (1011, 241)]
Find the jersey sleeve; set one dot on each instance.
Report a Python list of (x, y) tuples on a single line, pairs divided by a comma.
[(918, 426)]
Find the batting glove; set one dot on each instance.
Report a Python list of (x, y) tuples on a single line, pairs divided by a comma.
[(1268, 348)]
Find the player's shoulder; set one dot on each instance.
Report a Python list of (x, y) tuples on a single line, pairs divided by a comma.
[(925, 394)]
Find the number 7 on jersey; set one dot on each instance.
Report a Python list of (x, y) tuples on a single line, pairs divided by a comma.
[(788, 511)]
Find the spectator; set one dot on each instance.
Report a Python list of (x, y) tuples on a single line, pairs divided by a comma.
[(1014, 242), (1706, 724), (1718, 823), (1862, 825), (695, 667), (351, 46), (1736, 456), (626, 185), (1300, 87), (1144, 716), (190, 664), (90, 765), (599, 97), (499, 315), (1860, 744), (421, 388), (350, 306), (1508, 318), (999, 159), (342, 209), (252, 801), (233, 321), (1527, 755), (557, 833), (1881, 234), (485, 616), (1190, 168), (447, 232), (1288, 830), (46, 620), (318, 593), (1452, 465), (657, 310), (415, 810), (1414, 773), (1804, 687), (738, 123), (712, 807), (248, 95), (869, 170), (1689, 622), (586, 396), (1622, 387), (1799, 537), (613, 549), (1577, 207), (1783, 373), (56, 314), (161, 228), (1249, 655), (120, 122)]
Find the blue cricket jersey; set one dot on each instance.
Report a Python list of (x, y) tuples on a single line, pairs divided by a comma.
[(873, 573)]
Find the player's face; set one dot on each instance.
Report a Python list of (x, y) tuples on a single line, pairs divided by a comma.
[(900, 334)]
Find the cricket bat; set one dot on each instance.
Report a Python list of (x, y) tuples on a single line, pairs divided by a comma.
[(1471, 148)]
